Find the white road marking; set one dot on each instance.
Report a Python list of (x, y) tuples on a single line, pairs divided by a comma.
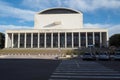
[(84, 71), (67, 76), (95, 74), (72, 69)]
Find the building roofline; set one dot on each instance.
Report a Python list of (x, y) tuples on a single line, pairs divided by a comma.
[(40, 12)]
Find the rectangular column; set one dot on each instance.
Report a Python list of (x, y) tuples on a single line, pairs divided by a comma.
[(58, 40), (18, 40), (79, 39), (65, 40), (45, 41), (25, 41), (12, 40), (93, 39), (107, 43), (31, 40), (6, 40), (38, 40), (100, 40), (86, 40), (51, 40), (72, 40)]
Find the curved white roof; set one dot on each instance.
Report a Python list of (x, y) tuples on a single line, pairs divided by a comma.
[(59, 11)]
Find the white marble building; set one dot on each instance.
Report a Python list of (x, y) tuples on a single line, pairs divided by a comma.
[(57, 28)]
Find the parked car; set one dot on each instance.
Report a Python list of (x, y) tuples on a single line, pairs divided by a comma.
[(116, 56), (103, 56), (88, 56)]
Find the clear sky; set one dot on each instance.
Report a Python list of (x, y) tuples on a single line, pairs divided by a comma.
[(19, 14)]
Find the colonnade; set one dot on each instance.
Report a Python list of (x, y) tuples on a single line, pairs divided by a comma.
[(56, 40)]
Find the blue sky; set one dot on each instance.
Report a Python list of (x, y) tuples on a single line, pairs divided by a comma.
[(19, 14)]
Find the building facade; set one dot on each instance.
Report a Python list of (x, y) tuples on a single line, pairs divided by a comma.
[(57, 28)]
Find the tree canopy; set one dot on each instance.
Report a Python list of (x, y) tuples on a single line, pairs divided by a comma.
[(2, 40), (114, 40)]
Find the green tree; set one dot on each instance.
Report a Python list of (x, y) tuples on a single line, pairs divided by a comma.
[(114, 40), (2, 40)]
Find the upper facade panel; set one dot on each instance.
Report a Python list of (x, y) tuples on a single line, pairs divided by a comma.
[(58, 18)]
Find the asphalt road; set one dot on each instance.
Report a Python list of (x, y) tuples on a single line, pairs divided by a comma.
[(38, 69), (27, 69), (115, 65)]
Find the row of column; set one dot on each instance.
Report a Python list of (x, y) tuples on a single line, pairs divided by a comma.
[(56, 40)]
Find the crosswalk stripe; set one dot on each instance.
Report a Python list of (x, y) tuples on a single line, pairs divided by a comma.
[(85, 71), (85, 76), (96, 74), (58, 79)]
